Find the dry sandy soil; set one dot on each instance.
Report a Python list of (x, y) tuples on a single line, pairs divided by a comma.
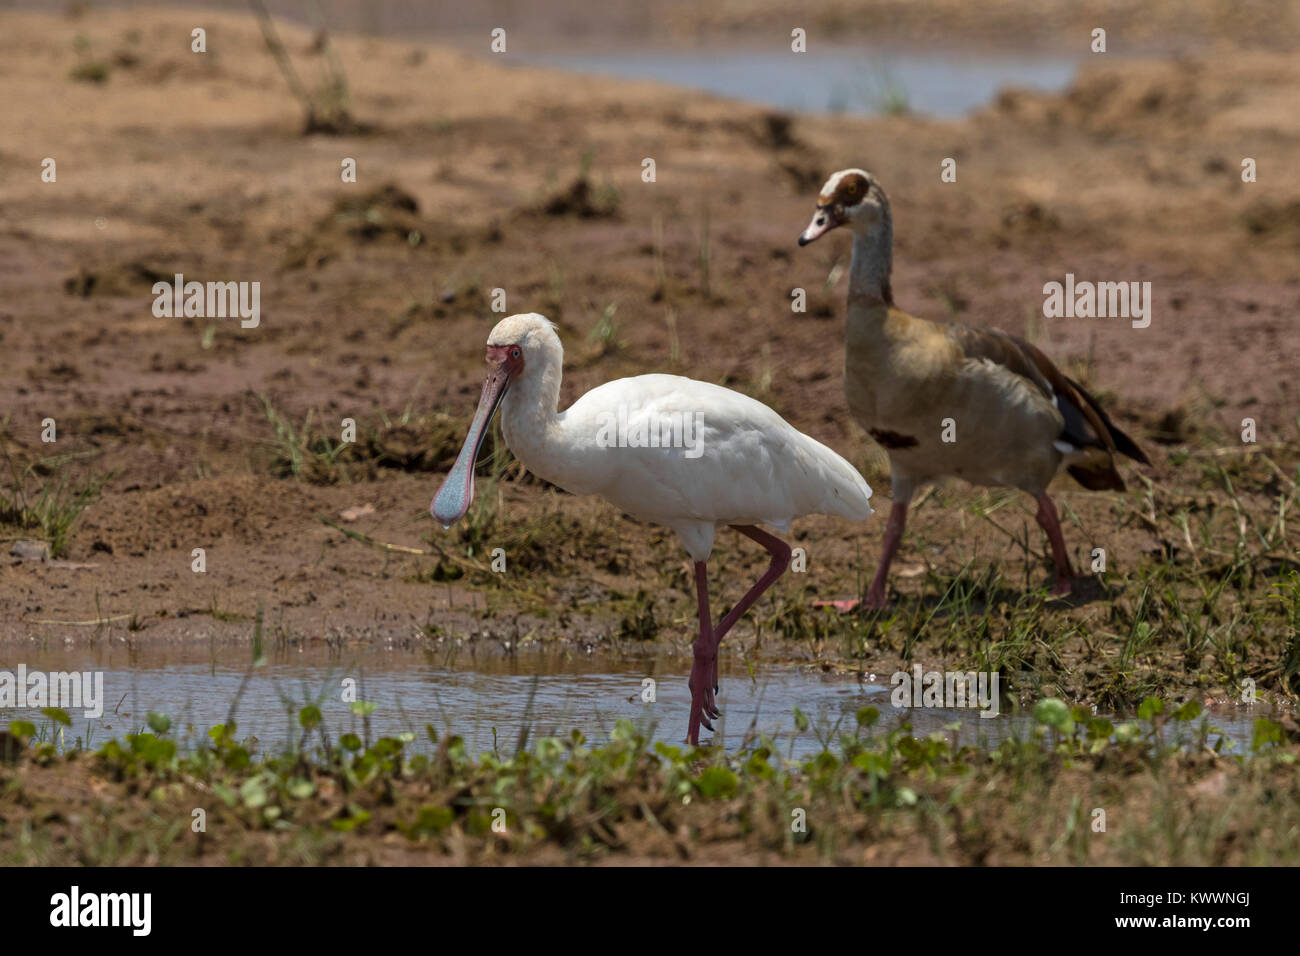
[(375, 305)]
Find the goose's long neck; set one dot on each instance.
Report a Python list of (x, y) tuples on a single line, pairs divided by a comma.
[(873, 259)]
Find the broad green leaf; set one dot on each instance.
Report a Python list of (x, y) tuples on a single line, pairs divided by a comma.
[(1150, 707), (1053, 712), (253, 793), (57, 715), (717, 782), (158, 723), (1189, 711)]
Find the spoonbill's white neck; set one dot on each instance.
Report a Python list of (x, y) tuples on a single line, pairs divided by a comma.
[(530, 417)]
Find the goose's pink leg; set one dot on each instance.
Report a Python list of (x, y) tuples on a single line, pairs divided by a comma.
[(1052, 525), (704, 672), (893, 535)]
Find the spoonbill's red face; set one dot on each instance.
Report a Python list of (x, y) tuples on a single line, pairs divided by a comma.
[(505, 363)]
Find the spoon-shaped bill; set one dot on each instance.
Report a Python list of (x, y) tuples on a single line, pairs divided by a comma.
[(457, 491)]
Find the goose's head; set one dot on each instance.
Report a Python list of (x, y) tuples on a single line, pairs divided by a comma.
[(521, 349), (852, 198)]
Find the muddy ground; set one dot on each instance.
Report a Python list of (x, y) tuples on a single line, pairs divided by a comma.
[(475, 175)]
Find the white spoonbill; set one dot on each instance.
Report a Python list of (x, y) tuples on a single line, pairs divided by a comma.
[(681, 453)]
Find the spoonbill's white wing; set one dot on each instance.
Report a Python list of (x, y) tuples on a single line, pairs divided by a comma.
[(729, 459)]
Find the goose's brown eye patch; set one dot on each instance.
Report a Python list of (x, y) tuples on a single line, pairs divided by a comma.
[(852, 190)]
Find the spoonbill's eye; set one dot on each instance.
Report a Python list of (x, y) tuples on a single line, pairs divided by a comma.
[(515, 353)]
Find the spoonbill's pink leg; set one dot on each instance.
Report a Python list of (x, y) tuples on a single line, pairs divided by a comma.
[(893, 535), (780, 552), (1052, 525), (704, 672), (701, 681)]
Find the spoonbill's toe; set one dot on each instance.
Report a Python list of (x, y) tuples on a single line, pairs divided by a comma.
[(702, 705)]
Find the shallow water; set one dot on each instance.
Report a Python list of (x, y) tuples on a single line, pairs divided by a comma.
[(490, 702), (834, 80)]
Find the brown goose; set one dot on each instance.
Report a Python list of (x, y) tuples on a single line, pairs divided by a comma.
[(952, 400)]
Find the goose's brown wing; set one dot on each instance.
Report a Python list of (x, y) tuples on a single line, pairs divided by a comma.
[(1087, 425)]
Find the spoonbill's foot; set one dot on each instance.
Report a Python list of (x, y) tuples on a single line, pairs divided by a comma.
[(1064, 587), (715, 674), (703, 708)]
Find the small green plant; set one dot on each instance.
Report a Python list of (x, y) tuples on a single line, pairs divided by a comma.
[(327, 109), (88, 69), (91, 71), (1288, 595), (46, 497), (303, 452), (657, 251), (605, 332), (639, 623), (887, 95), (705, 256)]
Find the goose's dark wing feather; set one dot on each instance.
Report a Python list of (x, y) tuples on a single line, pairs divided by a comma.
[(1086, 424)]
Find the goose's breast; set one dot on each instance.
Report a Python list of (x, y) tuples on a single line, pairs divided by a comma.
[(973, 420)]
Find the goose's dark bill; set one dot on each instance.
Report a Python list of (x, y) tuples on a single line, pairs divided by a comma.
[(457, 491), (823, 221)]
